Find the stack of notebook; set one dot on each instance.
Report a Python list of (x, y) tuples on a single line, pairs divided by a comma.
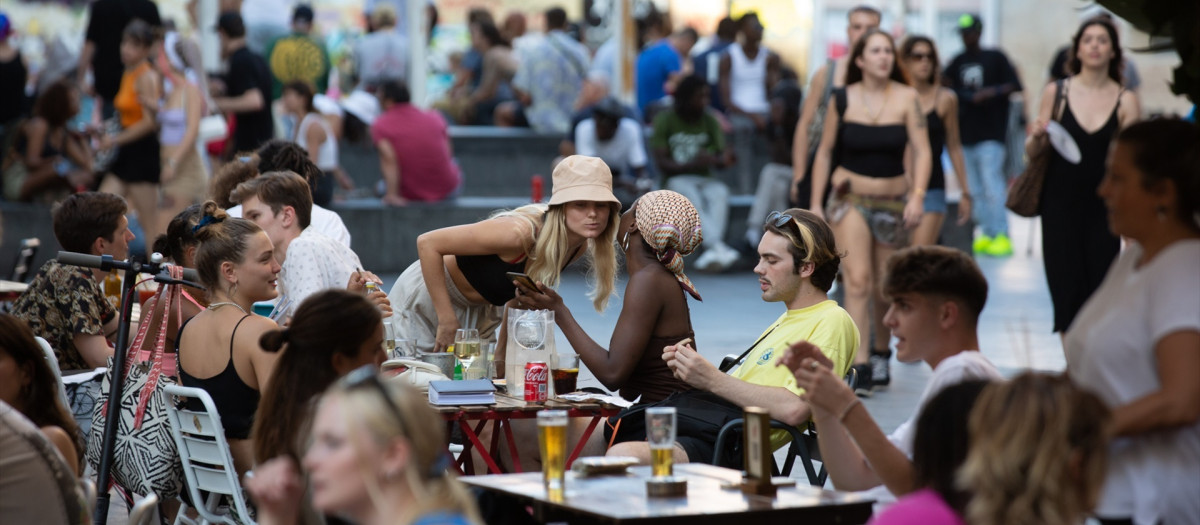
[(467, 392)]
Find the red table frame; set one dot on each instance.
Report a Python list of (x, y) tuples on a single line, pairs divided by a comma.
[(501, 415)]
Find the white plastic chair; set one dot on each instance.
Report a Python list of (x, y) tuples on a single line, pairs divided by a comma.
[(52, 361), (207, 461), (143, 512)]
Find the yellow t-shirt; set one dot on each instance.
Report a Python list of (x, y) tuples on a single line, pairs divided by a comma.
[(824, 324)]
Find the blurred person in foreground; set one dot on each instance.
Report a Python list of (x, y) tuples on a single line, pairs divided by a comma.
[(1039, 448), (27, 384), (377, 457), (1135, 341), (333, 333), (940, 446)]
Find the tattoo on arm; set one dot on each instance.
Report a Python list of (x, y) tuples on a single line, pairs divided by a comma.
[(918, 114)]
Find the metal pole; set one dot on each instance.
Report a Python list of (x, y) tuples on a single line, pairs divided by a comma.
[(116, 386), (418, 66)]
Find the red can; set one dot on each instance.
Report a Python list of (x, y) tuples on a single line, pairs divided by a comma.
[(537, 375)]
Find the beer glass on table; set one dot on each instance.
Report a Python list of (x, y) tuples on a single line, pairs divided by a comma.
[(552, 440), (660, 433)]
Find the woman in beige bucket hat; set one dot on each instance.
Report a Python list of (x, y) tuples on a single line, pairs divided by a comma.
[(460, 278)]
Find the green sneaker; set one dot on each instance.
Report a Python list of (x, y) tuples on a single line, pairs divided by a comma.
[(981, 243), (1000, 246)]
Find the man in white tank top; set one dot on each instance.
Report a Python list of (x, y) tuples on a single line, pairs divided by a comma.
[(748, 72)]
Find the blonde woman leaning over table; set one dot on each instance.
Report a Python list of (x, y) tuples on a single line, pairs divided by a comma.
[(460, 279), (377, 456), (873, 206)]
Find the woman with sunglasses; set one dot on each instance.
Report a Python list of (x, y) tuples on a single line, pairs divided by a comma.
[(377, 456), (920, 59), (876, 200)]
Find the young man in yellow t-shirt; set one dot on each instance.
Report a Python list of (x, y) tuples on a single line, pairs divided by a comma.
[(797, 264)]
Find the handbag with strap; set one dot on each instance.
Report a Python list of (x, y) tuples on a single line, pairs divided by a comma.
[(145, 459), (1025, 194)]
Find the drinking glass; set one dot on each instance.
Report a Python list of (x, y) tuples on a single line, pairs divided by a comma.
[(466, 345), (565, 373), (660, 433), (529, 331), (404, 348), (552, 439)]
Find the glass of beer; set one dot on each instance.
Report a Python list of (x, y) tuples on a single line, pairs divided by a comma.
[(565, 373), (660, 433), (552, 440)]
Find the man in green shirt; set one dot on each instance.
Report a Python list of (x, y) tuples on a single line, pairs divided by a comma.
[(688, 143), (298, 56)]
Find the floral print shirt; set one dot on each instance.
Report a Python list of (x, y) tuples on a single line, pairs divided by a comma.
[(63, 301), (552, 73)]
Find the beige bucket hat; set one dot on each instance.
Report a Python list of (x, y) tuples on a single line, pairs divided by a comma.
[(580, 178)]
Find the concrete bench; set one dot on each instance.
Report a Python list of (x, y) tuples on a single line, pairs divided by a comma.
[(495, 162)]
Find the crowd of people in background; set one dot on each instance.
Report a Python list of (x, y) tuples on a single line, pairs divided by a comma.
[(236, 175)]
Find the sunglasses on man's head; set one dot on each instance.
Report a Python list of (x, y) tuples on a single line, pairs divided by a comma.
[(778, 219)]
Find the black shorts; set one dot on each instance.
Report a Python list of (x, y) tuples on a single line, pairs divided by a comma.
[(699, 417)]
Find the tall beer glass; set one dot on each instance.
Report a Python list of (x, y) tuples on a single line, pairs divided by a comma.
[(552, 438), (660, 433)]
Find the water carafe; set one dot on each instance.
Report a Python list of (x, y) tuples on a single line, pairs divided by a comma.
[(530, 338)]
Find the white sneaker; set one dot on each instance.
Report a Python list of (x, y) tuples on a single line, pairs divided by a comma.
[(727, 256), (710, 260)]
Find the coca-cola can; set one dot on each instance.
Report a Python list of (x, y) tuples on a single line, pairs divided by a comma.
[(537, 375)]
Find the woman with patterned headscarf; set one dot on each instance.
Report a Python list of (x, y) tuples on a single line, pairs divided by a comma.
[(656, 233)]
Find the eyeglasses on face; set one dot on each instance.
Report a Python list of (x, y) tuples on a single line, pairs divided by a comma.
[(917, 57)]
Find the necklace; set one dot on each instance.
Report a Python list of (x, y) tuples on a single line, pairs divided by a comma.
[(215, 306), (883, 104)]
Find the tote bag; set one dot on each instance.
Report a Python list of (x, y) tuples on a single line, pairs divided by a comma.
[(145, 458)]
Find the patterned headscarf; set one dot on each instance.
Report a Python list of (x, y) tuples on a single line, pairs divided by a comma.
[(671, 226)]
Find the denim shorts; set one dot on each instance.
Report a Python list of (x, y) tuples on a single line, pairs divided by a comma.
[(935, 201)]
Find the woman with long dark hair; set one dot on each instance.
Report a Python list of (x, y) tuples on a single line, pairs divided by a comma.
[(874, 206), (499, 67), (1077, 246), (28, 385)]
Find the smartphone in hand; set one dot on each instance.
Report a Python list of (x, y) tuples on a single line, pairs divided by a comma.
[(525, 280)]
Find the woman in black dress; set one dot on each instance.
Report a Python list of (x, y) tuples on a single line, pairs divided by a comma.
[(1077, 246)]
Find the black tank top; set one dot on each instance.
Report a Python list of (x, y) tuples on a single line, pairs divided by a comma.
[(871, 151), (236, 402), (486, 274), (937, 144)]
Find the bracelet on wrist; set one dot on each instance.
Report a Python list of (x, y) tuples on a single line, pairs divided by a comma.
[(849, 407)]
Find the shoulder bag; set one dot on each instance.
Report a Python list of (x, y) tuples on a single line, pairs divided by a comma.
[(145, 458), (1025, 194)]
